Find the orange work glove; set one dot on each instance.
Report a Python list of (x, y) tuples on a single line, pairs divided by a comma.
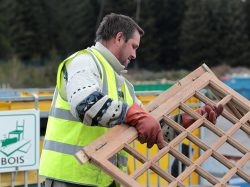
[(212, 114), (148, 128)]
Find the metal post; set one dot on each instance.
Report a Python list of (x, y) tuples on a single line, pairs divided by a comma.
[(169, 163), (134, 146), (180, 145), (148, 174), (179, 162), (26, 178), (201, 134), (38, 179), (36, 100), (158, 176), (13, 176), (36, 106), (190, 156)]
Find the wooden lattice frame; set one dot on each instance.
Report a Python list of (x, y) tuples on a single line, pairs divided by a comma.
[(237, 111)]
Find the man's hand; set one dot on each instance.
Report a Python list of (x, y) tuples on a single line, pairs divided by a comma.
[(148, 128), (212, 114)]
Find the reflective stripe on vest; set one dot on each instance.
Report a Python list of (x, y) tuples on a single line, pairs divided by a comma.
[(65, 135)]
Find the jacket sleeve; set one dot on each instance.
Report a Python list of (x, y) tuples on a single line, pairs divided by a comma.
[(84, 93)]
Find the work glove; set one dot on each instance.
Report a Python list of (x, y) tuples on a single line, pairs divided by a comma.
[(148, 128), (212, 114)]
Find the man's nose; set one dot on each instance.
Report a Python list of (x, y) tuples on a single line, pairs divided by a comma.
[(134, 55)]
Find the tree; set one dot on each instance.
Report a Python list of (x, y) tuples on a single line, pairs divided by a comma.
[(198, 36), (247, 13), (5, 43), (148, 55), (233, 42), (81, 24), (26, 28), (169, 20)]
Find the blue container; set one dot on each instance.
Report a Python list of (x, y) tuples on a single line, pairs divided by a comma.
[(238, 182), (240, 84)]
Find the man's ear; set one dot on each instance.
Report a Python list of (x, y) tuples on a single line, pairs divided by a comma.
[(119, 38)]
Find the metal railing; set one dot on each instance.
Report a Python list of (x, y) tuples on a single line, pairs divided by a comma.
[(15, 98), (36, 99)]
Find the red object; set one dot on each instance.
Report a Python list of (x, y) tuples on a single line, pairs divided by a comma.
[(212, 114), (148, 128)]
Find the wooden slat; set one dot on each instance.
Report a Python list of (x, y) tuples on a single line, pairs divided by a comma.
[(225, 113), (189, 90), (154, 167), (116, 173), (175, 88), (236, 170), (102, 141), (244, 103)]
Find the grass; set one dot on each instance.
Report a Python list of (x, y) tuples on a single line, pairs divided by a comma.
[(146, 76), (15, 74)]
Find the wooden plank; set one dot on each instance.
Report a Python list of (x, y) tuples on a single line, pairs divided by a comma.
[(91, 149), (169, 105), (221, 94), (236, 170), (175, 88), (116, 173), (244, 103)]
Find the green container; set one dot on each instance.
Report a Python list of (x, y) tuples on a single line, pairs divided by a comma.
[(152, 87)]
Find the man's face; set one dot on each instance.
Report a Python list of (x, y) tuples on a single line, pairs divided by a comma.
[(127, 50)]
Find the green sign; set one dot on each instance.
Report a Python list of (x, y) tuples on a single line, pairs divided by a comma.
[(19, 140)]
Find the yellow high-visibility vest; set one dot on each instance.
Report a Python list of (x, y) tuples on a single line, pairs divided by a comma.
[(66, 135)]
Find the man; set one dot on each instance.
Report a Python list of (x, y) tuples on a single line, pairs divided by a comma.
[(92, 96)]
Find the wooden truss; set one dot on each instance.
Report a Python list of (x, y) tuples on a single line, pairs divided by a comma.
[(236, 110)]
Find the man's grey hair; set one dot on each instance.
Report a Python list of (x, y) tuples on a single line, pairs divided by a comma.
[(114, 23)]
